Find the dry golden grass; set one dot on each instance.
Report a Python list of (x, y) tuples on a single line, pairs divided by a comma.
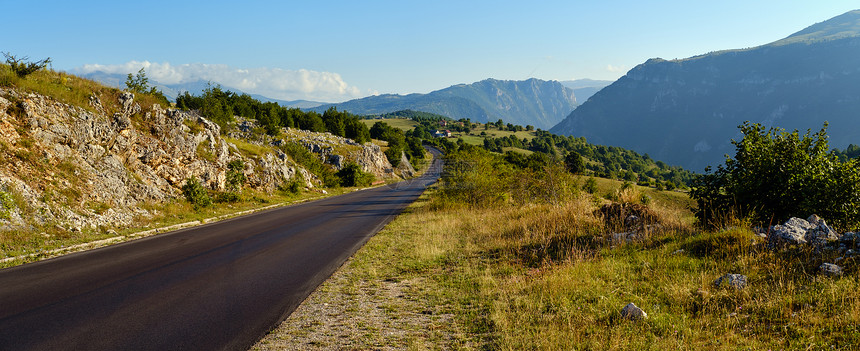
[(548, 277)]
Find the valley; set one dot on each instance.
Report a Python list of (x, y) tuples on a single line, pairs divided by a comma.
[(297, 194)]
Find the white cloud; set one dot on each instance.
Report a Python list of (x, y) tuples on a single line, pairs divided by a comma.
[(616, 69), (271, 82)]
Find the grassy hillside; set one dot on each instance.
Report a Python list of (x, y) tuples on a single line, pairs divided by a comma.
[(399, 123)]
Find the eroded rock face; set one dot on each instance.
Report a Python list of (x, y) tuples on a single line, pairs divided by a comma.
[(113, 163)]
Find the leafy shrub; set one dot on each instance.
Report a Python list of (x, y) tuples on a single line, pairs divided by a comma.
[(474, 177), (196, 194), (294, 185), (352, 175), (776, 175), (235, 175), (6, 204)]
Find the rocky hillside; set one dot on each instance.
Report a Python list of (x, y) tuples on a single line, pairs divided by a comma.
[(103, 165), (685, 112), (530, 102)]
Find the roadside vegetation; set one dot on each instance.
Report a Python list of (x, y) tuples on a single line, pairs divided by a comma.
[(509, 255)]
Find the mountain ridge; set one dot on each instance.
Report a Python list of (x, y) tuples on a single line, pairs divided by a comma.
[(694, 105), (528, 102)]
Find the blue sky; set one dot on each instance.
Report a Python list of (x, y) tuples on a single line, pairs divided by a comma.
[(338, 50)]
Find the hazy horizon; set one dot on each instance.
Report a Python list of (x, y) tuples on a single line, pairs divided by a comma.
[(337, 51)]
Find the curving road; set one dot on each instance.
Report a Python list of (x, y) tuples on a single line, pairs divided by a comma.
[(220, 286)]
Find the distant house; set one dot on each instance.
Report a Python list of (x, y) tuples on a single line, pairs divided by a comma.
[(442, 133), (443, 123)]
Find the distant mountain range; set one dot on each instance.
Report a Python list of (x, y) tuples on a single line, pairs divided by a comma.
[(529, 102), (585, 88), (685, 112), (171, 91)]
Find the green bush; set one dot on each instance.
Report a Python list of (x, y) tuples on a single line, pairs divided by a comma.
[(352, 175), (6, 204), (776, 175), (294, 186), (196, 194), (235, 175)]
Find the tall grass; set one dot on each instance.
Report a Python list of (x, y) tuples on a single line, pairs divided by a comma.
[(548, 275)]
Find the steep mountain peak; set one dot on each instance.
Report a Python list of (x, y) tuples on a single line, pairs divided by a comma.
[(843, 26)]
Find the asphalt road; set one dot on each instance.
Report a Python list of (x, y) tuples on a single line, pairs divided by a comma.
[(220, 286)]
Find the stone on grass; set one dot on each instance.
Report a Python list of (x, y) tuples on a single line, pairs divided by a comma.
[(737, 281), (792, 231), (632, 312), (830, 269)]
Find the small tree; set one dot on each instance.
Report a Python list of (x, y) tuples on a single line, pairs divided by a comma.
[(138, 83), (21, 67), (573, 162)]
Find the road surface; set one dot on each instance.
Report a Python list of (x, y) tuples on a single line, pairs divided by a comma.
[(219, 286)]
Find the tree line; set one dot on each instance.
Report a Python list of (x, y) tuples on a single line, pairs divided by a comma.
[(610, 161), (220, 106)]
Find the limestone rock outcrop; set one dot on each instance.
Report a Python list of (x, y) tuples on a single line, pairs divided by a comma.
[(78, 167)]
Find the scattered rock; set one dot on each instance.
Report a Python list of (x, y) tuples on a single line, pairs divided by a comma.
[(737, 281), (632, 312), (830, 269), (792, 232)]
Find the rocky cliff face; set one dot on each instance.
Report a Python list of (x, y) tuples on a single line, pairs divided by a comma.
[(685, 112), (79, 167)]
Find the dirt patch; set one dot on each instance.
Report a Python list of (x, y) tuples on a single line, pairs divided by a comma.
[(348, 312)]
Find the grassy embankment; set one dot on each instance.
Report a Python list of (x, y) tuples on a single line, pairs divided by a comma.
[(549, 276)]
